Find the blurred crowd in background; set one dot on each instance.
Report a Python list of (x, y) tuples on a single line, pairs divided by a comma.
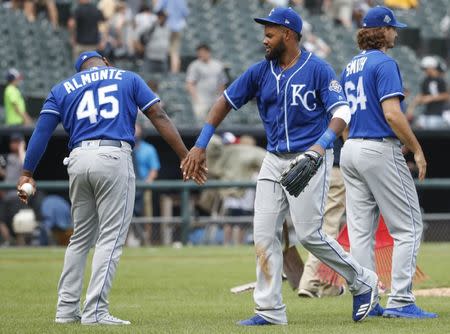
[(149, 35)]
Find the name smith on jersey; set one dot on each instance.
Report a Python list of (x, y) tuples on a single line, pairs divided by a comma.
[(356, 65), (86, 78)]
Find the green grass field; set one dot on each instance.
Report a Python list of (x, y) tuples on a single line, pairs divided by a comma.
[(166, 290)]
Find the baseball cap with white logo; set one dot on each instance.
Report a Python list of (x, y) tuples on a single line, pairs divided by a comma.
[(85, 56), (283, 16), (380, 16)]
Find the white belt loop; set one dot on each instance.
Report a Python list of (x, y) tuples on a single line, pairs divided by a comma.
[(125, 144)]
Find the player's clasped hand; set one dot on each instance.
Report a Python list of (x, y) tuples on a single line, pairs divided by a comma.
[(297, 175), (194, 167)]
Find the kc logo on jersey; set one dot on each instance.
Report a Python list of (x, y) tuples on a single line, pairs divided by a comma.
[(335, 86), (296, 93)]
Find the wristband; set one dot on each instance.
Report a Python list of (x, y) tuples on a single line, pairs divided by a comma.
[(205, 135), (328, 137)]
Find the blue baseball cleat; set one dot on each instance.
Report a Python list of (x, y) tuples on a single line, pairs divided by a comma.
[(409, 311), (362, 304), (257, 320), (377, 311)]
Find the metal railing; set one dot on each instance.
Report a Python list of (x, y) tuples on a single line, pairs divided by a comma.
[(185, 189)]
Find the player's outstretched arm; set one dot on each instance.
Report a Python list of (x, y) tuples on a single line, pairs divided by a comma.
[(196, 158), (170, 134), (36, 147), (399, 124)]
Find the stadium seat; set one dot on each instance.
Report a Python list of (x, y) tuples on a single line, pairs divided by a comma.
[(229, 29)]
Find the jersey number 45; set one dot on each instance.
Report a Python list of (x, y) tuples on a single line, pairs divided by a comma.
[(88, 109)]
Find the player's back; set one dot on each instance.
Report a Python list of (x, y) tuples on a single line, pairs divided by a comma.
[(100, 103), (369, 79)]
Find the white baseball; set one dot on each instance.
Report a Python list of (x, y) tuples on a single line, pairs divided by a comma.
[(27, 188)]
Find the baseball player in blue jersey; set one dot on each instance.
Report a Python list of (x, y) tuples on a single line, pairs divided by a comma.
[(375, 172), (303, 109), (97, 107)]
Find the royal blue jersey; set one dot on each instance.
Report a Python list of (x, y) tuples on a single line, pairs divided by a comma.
[(370, 78), (99, 103), (295, 105)]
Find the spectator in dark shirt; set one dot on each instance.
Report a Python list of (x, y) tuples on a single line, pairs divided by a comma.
[(434, 95), (84, 27)]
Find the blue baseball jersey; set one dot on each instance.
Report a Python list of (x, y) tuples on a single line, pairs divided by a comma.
[(370, 78), (295, 105), (99, 103)]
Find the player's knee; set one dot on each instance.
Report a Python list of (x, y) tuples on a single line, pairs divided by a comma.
[(264, 240), (309, 238)]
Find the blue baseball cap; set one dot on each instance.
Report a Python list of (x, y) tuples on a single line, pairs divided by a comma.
[(85, 56), (380, 16), (286, 17)]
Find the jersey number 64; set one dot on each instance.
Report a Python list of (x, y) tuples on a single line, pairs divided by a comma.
[(360, 97)]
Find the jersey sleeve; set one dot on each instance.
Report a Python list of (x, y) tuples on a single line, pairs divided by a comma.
[(243, 89), (51, 105), (37, 145), (143, 95), (389, 81), (331, 92)]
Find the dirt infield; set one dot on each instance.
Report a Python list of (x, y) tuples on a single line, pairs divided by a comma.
[(436, 292)]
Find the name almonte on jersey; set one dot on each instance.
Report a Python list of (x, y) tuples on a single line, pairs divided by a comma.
[(88, 77), (99, 103)]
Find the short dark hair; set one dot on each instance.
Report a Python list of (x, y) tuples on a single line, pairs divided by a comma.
[(161, 13), (203, 46), (92, 62), (298, 36), (17, 136), (144, 8)]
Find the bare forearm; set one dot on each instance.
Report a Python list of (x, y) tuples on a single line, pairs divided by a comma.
[(441, 97), (338, 125), (218, 112), (190, 87), (345, 133), (167, 130), (18, 113), (399, 124), (401, 128), (53, 13), (152, 175)]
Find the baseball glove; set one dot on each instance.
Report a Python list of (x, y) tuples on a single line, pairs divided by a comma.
[(296, 176)]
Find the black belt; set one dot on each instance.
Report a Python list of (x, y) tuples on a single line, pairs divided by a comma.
[(374, 139), (103, 142)]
